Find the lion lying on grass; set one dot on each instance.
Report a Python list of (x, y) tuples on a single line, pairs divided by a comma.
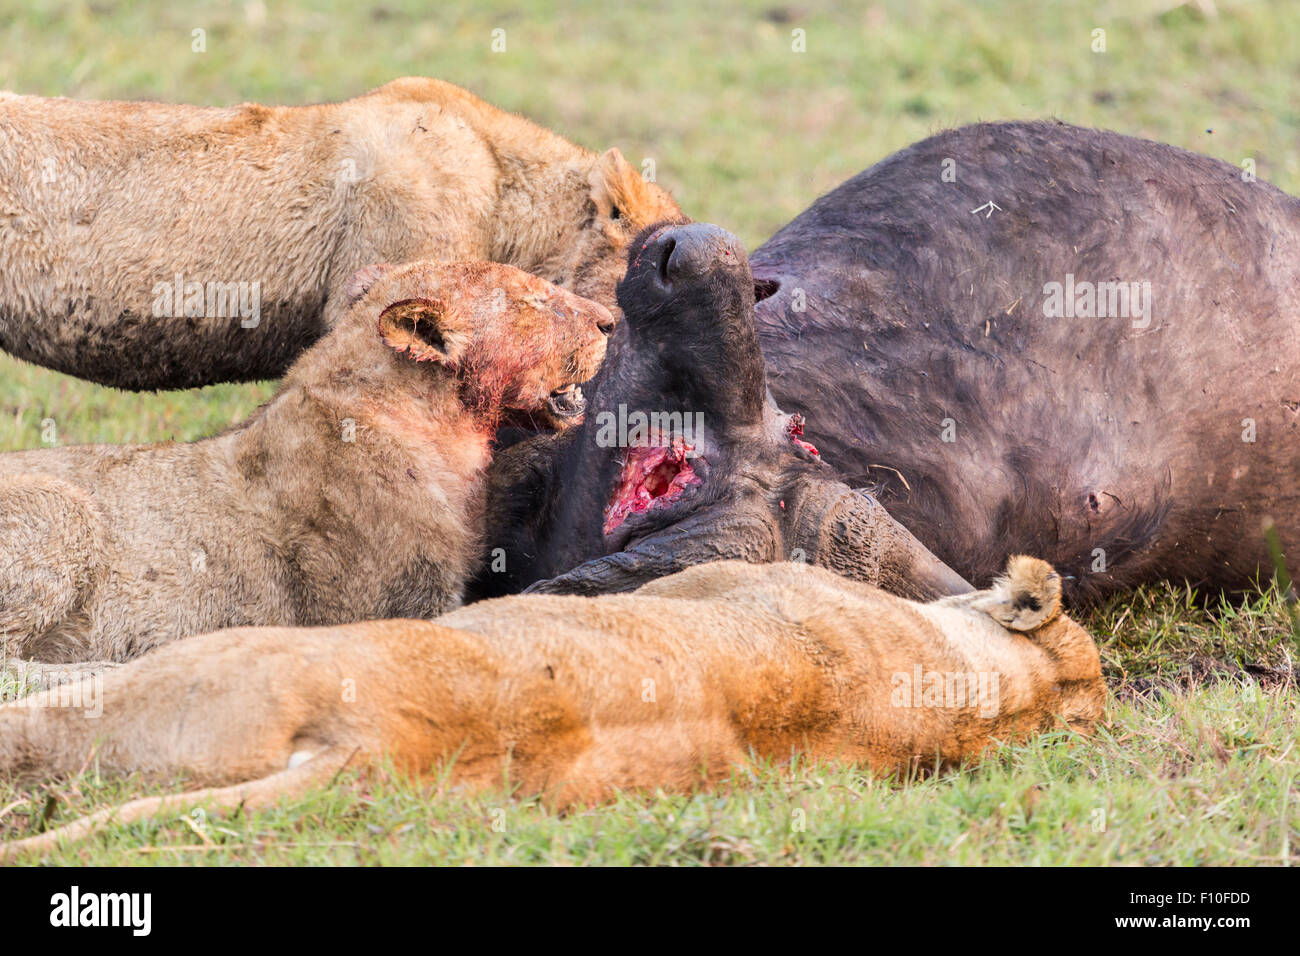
[(574, 698)]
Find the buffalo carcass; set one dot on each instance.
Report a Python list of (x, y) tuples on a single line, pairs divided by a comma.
[(1031, 337)]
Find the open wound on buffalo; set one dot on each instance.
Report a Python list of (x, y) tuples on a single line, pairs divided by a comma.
[(654, 475), (794, 430)]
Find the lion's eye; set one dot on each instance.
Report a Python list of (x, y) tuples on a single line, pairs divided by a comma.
[(614, 213)]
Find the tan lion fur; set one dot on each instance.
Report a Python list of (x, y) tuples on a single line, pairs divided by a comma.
[(104, 204), (672, 686), (355, 493)]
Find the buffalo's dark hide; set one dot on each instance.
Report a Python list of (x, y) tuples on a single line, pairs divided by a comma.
[(916, 324)]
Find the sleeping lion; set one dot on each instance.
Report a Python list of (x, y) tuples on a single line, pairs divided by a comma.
[(672, 686)]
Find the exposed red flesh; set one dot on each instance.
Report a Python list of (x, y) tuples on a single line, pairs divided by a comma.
[(795, 431), (652, 477)]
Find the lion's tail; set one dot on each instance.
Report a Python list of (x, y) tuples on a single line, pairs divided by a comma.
[(254, 794)]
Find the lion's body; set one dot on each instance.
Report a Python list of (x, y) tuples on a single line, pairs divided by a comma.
[(124, 220), (354, 494), (672, 686)]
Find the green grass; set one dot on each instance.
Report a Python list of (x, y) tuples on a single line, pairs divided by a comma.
[(1199, 762), (1179, 777)]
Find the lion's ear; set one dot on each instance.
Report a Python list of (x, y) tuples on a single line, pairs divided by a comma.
[(424, 330), (609, 182), (620, 192), (1026, 597)]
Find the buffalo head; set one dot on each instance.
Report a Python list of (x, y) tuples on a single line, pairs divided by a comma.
[(683, 456)]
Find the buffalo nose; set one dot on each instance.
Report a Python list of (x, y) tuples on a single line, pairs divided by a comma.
[(684, 252)]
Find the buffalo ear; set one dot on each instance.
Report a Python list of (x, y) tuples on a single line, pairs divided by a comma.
[(423, 330), (362, 280)]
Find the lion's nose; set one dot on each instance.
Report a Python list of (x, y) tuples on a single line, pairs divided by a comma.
[(605, 322)]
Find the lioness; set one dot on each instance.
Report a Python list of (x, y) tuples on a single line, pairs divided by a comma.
[(670, 686), (355, 493), (158, 246)]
